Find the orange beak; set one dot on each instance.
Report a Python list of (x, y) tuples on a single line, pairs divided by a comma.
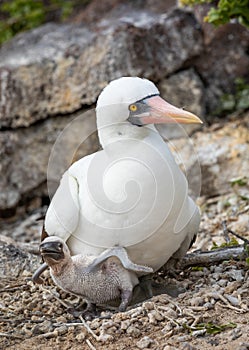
[(160, 112)]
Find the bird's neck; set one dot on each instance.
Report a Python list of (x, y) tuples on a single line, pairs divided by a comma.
[(62, 266), (114, 134)]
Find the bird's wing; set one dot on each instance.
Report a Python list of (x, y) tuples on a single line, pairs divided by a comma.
[(63, 213)]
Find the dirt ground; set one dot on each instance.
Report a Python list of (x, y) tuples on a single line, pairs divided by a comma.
[(212, 312)]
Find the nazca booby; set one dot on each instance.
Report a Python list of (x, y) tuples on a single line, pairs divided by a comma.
[(132, 193), (113, 277)]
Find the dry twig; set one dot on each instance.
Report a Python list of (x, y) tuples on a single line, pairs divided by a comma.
[(90, 344), (9, 335), (89, 330), (213, 256)]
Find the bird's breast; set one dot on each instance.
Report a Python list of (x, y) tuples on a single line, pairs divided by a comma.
[(126, 197)]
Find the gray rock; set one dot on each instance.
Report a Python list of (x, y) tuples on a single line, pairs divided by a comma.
[(25, 155), (14, 261), (145, 342), (233, 300), (183, 89), (213, 158), (59, 68), (222, 282), (133, 331), (236, 275), (224, 58), (43, 327)]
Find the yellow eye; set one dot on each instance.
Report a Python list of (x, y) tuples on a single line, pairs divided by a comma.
[(133, 108)]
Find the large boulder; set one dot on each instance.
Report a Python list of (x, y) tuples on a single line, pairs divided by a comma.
[(224, 58), (183, 89), (25, 155), (214, 158), (57, 69), (15, 260)]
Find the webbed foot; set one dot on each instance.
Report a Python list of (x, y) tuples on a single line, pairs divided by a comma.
[(141, 292), (145, 283)]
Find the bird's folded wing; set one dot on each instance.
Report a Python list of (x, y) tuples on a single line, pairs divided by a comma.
[(63, 213)]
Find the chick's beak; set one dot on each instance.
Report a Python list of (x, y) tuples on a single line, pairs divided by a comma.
[(51, 249), (161, 112)]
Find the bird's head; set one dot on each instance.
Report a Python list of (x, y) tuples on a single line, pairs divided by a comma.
[(53, 250), (137, 101)]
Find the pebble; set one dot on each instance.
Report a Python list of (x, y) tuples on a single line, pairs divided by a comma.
[(171, 313), (233, 300), (208, 305), (148, 305), (44, 327), (182, 321), (218, 269), (108, 324), (61, 319), (188, 346), (167, 328), (138, 311), (62, 330), (243, 346), (145, 342), (184, 338), (155, 316), (104, 337), (198, 332), (134, 331), (27, 331), (216, 276), (197, 273), (235, 333), (152, 318), (206, 271), (80, 337), (222, 282), (35, 318), (125, 324), (236, 275), (169, 347), (121, 316), (197, 301), (231, 287), (95, 324), (48, 335)]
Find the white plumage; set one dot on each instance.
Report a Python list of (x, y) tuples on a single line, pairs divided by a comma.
[(132, 194)]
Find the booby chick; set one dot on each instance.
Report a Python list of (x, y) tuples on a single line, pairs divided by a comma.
[(112, 276), (132, 193)]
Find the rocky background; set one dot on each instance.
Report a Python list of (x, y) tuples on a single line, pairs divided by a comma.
[(50, 78)]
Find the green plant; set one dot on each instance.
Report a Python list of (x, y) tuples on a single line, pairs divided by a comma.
[(240, 181), (233, 242), (197, 268), (225, 11), (238, 101), (20, 15), (210, 327)]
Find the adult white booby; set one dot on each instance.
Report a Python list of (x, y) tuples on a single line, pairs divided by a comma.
[(131, 194)]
